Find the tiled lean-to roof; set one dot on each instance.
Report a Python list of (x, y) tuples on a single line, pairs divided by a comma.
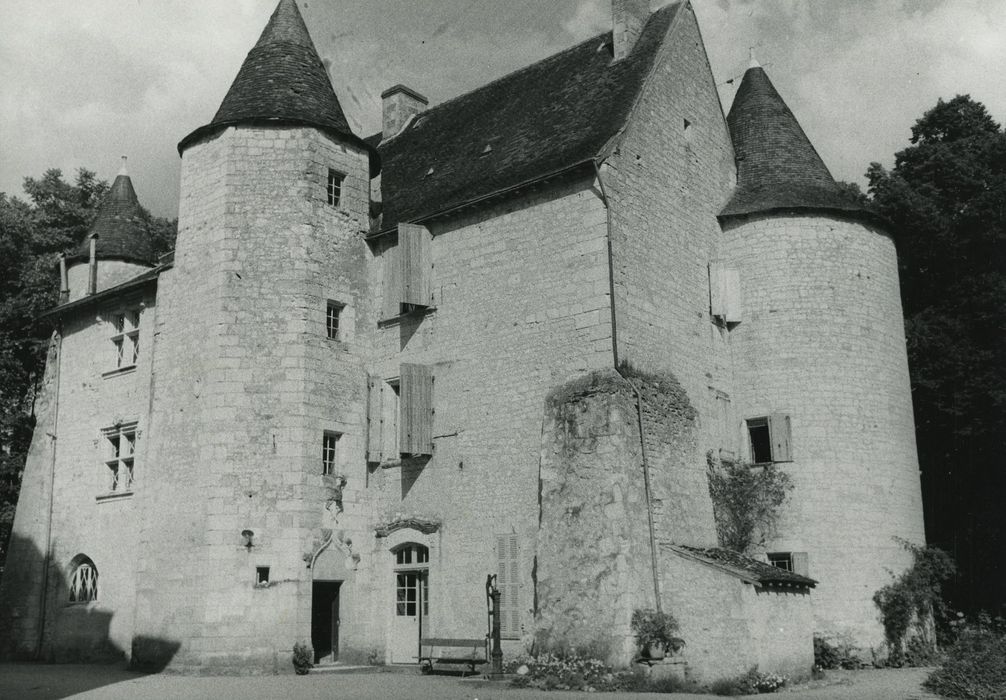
[(282, 81), (121, 228), (777, 166), (540, 120), (744, 567)]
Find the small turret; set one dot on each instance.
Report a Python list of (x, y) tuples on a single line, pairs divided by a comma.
[(283, 82), (120, 240), (777, 166)]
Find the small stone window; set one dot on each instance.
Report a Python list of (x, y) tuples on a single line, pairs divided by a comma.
[(329, 453), (120, 446), (261, 575), (332, 318), (126, 338), (84, 581), (335, 180)]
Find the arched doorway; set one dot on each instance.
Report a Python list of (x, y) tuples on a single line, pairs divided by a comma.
[(411, 606)]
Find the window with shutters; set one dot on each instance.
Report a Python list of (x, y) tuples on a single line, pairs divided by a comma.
[(120, 451), (797, 562), (769, 439), (408, 272), (400, 415), (508, 582)]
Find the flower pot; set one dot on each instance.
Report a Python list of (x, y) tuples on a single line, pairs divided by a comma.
[(655, 650)]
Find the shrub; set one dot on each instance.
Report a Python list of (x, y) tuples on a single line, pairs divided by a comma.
[(303, 658), (911, 600), (655, 628), (749, 683), (829, 656), (975, 666)]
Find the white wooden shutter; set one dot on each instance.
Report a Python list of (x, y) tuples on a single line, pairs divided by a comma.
[(416, 264), (392, 302), (779, 433), (725, 293), (508, 581), (801, 563), (416, 410)]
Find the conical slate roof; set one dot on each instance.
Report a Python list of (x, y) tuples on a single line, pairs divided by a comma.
[(777, 166), (120, 226), (282, 80)]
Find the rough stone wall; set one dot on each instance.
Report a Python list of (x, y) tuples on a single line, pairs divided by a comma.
[(667, 179), (110, 274), (20, 584), (247, 383), (521, 297), (730, 626), (823, 341)]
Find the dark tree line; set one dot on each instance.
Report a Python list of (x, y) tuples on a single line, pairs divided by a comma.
[(33, 234), (945, 200)]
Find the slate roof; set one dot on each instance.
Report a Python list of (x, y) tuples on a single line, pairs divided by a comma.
[(540, 120), (121, 228), (282, 81), (777, 166), (744, 567)]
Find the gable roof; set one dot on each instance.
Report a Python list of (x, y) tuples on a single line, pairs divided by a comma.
[(282, 81), (540, 120), (121, 227), (777, 166), (744, 567)]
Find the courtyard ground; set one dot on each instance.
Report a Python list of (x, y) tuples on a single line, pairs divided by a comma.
[(43, 682)]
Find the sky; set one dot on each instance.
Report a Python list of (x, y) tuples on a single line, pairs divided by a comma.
[(83, 82)]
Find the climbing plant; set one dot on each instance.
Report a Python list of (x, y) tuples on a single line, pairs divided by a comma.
[(746, 501), (907, 604)]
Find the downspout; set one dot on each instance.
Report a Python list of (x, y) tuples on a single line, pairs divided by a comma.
[(639, 399), (611, 265), (46, 560)]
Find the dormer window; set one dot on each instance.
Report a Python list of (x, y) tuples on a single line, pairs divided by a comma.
[(335, 179)]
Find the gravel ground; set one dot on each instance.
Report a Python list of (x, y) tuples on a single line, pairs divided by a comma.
[(38, 682)]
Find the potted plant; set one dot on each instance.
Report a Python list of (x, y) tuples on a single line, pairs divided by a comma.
[(655, 632)]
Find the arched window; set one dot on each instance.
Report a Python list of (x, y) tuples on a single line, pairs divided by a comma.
[(84, 582)]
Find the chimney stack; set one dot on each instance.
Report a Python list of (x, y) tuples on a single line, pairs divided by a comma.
[(399, 104), (92, 265), (627, 20)]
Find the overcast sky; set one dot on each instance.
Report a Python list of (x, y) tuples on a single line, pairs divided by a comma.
[(83, 81)]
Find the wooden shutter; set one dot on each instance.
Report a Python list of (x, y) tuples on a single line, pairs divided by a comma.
[(725, 293), (416, 410), (392, 303), (375, 419), (416, 263), (801, 565), (779, 433), (508, 581)]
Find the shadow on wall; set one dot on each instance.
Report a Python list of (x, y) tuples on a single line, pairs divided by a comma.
[(75, 632)]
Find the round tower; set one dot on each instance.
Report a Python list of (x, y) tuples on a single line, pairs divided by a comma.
[(259, 371), (820, 365), (118, 246)]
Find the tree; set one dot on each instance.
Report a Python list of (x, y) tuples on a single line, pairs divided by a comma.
[(945, 200), (32, 236)]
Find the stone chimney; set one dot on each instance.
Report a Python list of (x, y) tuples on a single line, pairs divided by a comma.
[(399, 104), (627, 20)]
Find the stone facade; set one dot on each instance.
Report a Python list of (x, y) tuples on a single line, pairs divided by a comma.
[(312, 460)]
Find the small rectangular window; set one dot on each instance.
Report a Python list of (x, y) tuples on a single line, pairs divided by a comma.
[(335, 180), (332, 319), (329, 453), (126, 338), (261, 575), (781, 560)]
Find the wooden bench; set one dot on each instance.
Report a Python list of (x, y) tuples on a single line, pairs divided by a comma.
[(452, 651)]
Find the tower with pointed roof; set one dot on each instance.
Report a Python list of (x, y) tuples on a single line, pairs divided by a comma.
[(822, 348)]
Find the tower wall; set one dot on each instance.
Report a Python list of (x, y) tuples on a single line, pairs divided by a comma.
[(247, 383), (822, 340), (110, 274)]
